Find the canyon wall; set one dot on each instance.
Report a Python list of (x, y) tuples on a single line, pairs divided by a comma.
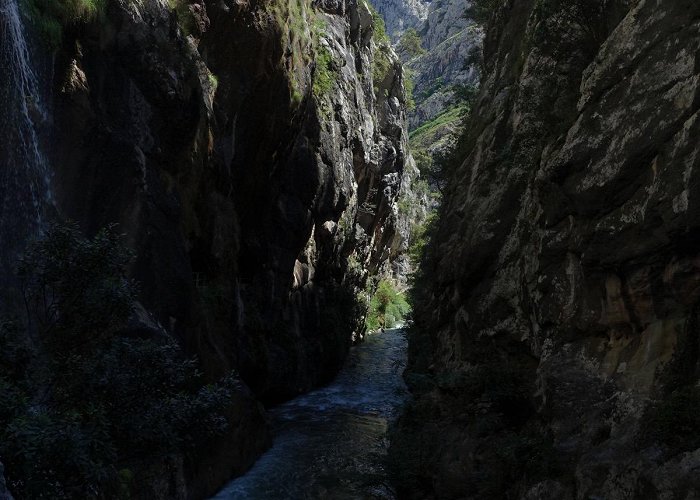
[(252, 153), (452, 44), (450, 53), (400, 15), (556, 351), (245, 186)]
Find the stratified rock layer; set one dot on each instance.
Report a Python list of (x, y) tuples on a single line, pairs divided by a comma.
[(243, 190), (561, 322)]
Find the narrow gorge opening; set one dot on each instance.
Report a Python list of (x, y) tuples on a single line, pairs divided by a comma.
[(421, 249)]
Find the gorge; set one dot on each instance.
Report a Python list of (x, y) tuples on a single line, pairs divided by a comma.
[(205, 206)]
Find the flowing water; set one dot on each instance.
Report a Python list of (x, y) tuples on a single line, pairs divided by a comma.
[(332, 443), (24, 174)]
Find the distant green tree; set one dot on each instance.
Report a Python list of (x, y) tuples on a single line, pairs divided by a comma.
[(410, 45), (50, 17), (388, 307)]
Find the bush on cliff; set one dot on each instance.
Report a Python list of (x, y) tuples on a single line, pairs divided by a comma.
[(83, 399), (325, 73), (388, 307), (381, 61), (50, 17)]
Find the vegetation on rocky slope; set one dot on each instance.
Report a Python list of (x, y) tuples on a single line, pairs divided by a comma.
[(388, 307), (410, 44), (50, 17), (87, 398)]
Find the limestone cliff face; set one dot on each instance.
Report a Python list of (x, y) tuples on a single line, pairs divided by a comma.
[(401, 15), (560, 330), (253, 161), (244, 186), (450, 41), (448, 38)]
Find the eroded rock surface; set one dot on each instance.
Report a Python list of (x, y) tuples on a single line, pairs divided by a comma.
[(562, 321), (452, 43), (244, 191), (256, 198)]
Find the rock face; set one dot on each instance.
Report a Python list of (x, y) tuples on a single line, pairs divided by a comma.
[(556, 350), (452, 43), (253, 160), (244, 188), (400, 15), (448, 38), (4, 494)]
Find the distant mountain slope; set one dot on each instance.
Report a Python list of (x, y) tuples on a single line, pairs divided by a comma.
[(399, 15), (448, 38)]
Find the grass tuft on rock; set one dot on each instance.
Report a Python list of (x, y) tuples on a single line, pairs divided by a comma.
[(51, 17)]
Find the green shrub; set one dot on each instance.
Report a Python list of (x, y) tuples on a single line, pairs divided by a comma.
[(410, 44), (388, 307), (381, 62), (379, 27), (213, 81), (78, 397), (325, 73), (50, 17), (420, 236), (381, 66), (409, 86)]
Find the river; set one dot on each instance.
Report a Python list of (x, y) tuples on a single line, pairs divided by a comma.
[(332, 443)]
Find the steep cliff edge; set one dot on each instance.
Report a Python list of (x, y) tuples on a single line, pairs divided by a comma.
[(555, 353), (247, 163), (252, 153), (439, 45)]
